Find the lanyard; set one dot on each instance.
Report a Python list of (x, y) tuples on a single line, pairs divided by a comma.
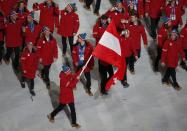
[(31, 26), (81, 52)]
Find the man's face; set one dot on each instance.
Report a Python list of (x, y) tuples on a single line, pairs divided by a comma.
[(104, 21), (119, 5), (21, 6), (173, 36), (49, 1), (29, 18), (30, 46), (80, 40), (47, 32), (133, 18), (14, 17)]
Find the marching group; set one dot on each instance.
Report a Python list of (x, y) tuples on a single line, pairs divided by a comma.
[(34, 47)]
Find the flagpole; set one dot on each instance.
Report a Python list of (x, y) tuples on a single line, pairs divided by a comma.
[(84, 67)]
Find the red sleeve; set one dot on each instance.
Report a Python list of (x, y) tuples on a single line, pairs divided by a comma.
[(95, 31), (160, 38), (141, 8), (39, 48), (164, 52), (179, 14), (180, 50), (74, 55), (144, 36), (182, 36), (147, 6), (76, 23), (90, 49), (23, 61), (73, 81)]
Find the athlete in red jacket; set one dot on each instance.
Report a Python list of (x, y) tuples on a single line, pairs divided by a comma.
[(137, 32), (47, 53), (48, 13), (129, 50), (68, 82), (104, 68), (162, 36), (80, 54), (29, 65), (173, 11), (171, 51), (31, 30), (153, 9), (13, 38), (69, 25), (118, 14), (22, 10), (136, 6)]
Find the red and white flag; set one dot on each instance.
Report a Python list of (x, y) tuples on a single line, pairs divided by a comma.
[(109, 50)]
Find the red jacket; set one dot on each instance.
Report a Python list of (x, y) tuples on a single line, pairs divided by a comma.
[(23, 16), (178, 19), (69, 24), (154, 7), (117, 17), (170, 53), (66, 90), (13, 35), (48, 15), (2, 27), (7, 5), (162, 36), (87, 54), (98, 31), (127, 46), (47, 50), (183, 35), (136, 32), (140, 7), (32, 36), (29, 63)]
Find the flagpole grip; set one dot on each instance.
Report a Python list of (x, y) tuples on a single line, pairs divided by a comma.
[(84, 67)]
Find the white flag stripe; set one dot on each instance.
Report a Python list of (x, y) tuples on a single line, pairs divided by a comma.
[(110, 41)]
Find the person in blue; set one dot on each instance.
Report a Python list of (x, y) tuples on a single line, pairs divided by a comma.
[(80, 55)]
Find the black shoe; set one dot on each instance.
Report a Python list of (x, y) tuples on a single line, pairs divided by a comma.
[(96, 13), (89, 92), (51, 119), (166, 82), (125, 84), (23, 84), (48, 86), (132, 71), (76, 125), (156, 68), (6, 61), (32, 93), (104, 93), (177, 87), (87, 8)]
